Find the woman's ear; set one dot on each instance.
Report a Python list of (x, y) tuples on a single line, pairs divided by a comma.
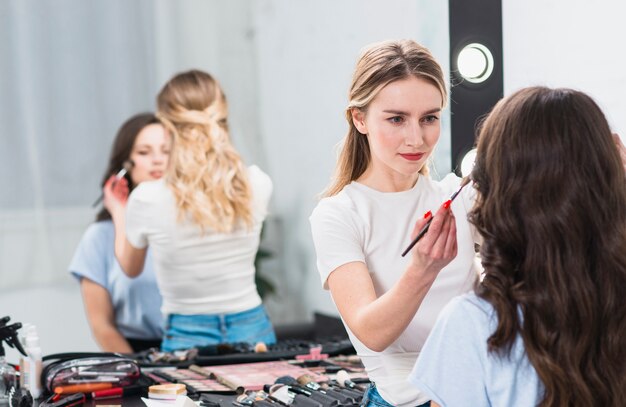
[(358, 118)]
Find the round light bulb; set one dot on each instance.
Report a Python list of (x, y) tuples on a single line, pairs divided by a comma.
[(475, 63), (467, 163)]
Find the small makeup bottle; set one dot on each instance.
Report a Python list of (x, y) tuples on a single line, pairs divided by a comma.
[(30, 366)]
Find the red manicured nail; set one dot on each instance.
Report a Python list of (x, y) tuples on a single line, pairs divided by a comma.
[(446, 204), (428, 215)]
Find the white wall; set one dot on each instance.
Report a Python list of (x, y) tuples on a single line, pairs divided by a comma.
[(568, 44), (57, 312)]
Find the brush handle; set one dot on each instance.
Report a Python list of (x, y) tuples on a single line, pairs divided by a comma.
[(422, 232), (97, 201), (420, 235), (118, 177)]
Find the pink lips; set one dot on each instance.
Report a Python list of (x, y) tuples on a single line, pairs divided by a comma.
[(413, 157), (156, 174)]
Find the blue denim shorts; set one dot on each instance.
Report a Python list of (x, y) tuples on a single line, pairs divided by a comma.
[(372, 398), (188, 331)]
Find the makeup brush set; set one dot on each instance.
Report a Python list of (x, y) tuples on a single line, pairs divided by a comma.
[(303, 391)]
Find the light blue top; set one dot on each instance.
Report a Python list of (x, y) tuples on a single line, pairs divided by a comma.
[(455, 369), (136, 302)]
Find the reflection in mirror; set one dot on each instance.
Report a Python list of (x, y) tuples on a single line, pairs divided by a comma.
[(72, 71)]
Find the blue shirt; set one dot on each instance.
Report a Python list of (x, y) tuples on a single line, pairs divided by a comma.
[(455, 368), (136, 302)]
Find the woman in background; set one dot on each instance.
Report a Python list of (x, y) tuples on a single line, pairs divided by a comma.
[(547, 325), (123, 313), (202, 222), (380, 198)]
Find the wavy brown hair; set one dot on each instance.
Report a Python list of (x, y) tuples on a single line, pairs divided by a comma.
[(206, 174), (552, 210), (380, 64)]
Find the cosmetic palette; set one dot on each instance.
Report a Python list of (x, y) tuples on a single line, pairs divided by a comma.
[(252, 376), (195, 382)]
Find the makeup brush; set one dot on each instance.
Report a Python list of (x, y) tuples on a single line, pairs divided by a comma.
[(424, 229), (128, 165), (343, 378)]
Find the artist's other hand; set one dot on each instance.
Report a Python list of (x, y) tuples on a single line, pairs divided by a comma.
[(438, 247), (115, 195), (621, 148)]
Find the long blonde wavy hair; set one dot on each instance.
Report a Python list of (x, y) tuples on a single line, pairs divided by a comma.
[(379, 65), (206, 174)]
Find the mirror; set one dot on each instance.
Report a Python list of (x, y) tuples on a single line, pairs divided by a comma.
[(72, 71)]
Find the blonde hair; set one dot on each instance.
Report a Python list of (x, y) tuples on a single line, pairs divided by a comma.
[(379, 65), (205, 173)]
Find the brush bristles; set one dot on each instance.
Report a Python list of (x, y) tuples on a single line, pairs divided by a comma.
[(466, 180), (128, 165)]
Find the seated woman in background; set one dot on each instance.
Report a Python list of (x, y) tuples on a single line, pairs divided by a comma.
[(202, 222), (124, 313), (547, 325)]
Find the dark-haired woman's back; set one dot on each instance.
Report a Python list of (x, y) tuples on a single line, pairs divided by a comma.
[(547, 325)]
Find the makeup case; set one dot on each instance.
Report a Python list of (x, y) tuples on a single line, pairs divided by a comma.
[(87, 372)]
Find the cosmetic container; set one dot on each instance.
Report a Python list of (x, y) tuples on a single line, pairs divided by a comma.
[(30, 366)]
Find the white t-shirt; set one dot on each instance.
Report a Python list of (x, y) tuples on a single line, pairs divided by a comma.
[(210, 273), (456, 369), (363, 224)]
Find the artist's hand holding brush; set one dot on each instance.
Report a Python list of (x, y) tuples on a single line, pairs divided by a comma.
[(115, 198), (438, 246), (116, 193)]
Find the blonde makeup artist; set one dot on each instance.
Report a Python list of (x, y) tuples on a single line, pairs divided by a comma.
[(380, 198), (202, 222)]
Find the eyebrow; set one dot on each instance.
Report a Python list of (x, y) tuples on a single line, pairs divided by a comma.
[(401, 113)]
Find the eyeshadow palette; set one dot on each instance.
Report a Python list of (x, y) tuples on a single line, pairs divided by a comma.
[(157, 378), (350, 363), (207, 386), (239, 378), (180, 374), (252, 376), (195, 382)]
